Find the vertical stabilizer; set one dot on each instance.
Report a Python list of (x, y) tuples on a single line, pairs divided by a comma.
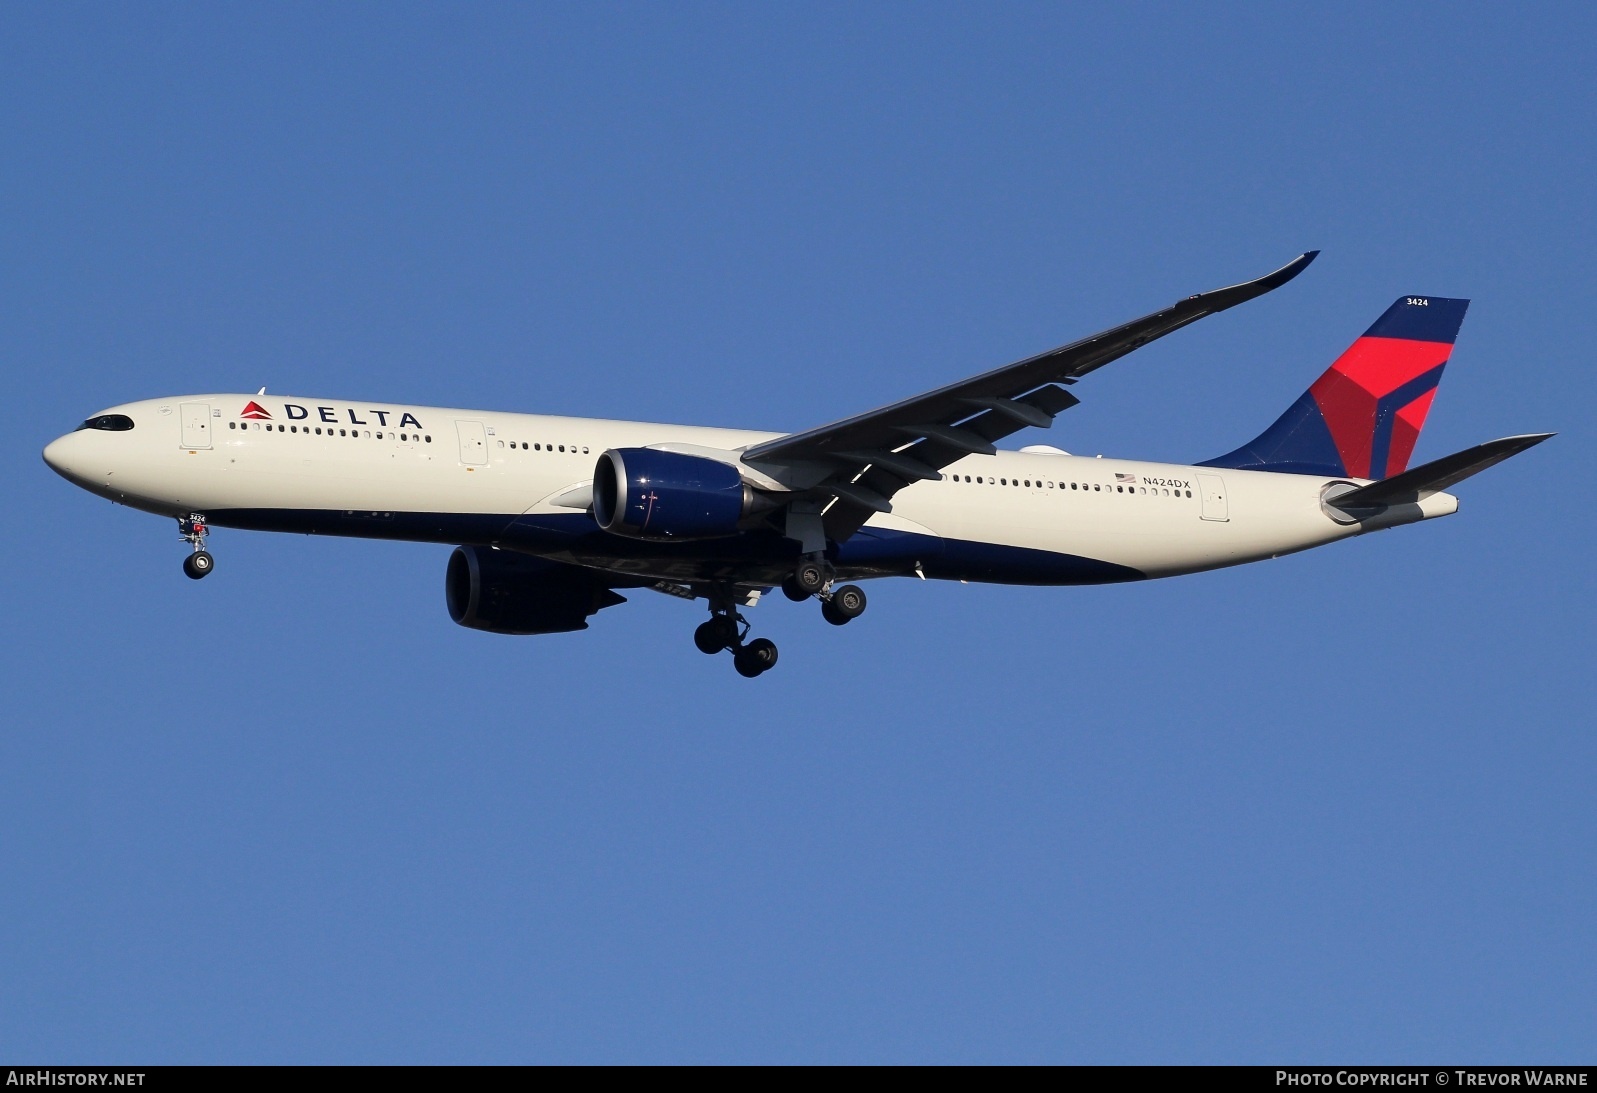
[(1362, 417)]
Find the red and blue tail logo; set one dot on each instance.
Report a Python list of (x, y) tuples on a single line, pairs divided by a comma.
[(1361, 419)]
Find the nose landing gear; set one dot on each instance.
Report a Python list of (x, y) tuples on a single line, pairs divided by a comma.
[(193, 530)]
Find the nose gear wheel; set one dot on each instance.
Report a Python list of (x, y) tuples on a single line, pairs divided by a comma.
[(193, 530)]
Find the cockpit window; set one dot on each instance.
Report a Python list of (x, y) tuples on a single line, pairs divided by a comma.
[(109, 423)]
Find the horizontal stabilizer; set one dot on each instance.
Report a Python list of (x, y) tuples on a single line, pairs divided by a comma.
[(1438, 475)]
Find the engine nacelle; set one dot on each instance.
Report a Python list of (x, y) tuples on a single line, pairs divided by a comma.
[(508, 593), (643, 493)]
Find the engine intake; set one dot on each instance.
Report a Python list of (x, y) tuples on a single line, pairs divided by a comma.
[(507, 593), (643, 493)]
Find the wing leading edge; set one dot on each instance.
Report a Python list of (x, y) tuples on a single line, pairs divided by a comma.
[(863, 460)]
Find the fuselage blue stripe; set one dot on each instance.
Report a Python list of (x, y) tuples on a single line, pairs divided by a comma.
[(749, 558)]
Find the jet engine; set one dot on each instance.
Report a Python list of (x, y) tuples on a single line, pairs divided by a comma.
[(507, 593), (643, 493)]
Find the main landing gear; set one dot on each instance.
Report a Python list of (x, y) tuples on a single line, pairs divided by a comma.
[(192, 530), (838, 605), (726, 629)]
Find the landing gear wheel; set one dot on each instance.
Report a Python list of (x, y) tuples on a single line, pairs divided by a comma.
[(808, 577), (847, 602), (726, 627), (791, 589), (717, 633), (757, 656), (198, 564), (708, 638)]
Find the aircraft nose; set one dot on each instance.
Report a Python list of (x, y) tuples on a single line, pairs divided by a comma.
[(65, 457)]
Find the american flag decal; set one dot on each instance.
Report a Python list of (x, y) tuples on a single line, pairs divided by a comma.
[(1125, 478)]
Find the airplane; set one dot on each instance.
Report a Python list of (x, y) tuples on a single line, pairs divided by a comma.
[(551, 516)]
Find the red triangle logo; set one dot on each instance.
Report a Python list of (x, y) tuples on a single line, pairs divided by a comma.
[(255, 410)]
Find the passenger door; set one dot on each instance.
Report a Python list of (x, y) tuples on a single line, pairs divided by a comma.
[(473, 442), (1211, 487), (196, 424)]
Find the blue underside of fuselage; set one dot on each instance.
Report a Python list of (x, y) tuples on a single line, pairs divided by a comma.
[(755, 557)]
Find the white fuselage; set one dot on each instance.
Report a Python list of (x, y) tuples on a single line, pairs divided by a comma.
[(518, 481)]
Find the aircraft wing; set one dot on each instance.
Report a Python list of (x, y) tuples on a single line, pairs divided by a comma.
[(863, 460)]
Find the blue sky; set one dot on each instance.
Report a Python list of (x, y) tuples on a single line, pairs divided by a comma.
[(1333, 807)]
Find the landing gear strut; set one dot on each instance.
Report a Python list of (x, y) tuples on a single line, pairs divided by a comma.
[(193, 530), (726, 629)]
